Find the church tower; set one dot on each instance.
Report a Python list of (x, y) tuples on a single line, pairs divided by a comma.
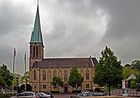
[(36, 41)]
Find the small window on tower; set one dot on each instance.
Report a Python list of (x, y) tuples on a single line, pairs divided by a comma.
[(33, 51), (36, 51)]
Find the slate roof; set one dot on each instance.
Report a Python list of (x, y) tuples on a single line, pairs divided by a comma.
[(66, 62)]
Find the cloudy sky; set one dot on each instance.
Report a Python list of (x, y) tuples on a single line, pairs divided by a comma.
[(70, 28)]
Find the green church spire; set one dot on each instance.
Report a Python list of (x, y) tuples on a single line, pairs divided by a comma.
[(36, 36)]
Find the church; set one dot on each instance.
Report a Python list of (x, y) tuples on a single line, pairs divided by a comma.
[(42, 70)]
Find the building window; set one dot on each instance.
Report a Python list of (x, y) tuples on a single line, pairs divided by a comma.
[(33, 51), (44, 75), (35, 86), (54, 73), (44, 86), (87, 85), (65, 75), (36, 51), (34, 74), (87, 74)]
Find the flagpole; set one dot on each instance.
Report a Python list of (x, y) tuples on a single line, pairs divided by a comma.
[(25, 71), (14, 56)]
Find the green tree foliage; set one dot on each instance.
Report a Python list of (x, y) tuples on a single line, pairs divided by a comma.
[(2, 82), (127, 65), (135, 64), (133, 84), (127, 71), (16, 79), (133, 68), (24, 78), (6, 75), (75, 79), (138, 78), (109, 70), (57, 82)]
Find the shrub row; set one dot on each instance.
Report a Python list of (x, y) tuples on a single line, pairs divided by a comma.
[(5, 95)]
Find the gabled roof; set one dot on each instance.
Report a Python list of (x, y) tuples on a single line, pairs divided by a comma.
[(66, 62), (36, 36)]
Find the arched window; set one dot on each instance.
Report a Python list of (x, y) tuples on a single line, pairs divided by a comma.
[(36, 51), (33, 51), (65, 75), (87, 74), (44, 74), (54, 73), (34, 74)]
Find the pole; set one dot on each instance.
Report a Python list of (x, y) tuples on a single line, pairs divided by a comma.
[(14, 67), (25, 71)]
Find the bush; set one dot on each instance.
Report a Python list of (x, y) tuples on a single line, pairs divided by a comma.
[(5, 95), (133, 84), (138, 86), (55, 92), (76, 91)]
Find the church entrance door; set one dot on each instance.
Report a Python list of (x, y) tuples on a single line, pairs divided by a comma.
[(65, 88)]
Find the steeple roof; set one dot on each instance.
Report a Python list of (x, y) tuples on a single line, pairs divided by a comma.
[(36, 36)]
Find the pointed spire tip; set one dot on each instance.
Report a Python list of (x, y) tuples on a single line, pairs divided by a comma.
[(37, 2)]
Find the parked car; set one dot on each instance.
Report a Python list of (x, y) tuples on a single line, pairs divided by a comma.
[(98, 93), (49, 93), (84, 93), (44, 95), (28, 94)]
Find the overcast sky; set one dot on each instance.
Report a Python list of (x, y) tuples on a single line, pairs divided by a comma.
[(70, 28)]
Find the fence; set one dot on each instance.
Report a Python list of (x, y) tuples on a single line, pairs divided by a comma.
[(131, 93)]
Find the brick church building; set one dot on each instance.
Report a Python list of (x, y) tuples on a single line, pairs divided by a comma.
[(42, 70)]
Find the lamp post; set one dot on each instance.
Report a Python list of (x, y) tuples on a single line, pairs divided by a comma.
[(25, 72), (14, 58)]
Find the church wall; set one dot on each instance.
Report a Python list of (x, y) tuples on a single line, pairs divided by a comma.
[(45, 85)]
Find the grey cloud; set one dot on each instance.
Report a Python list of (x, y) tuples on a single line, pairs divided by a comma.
[(124, 17), (71, 28), (13, 17)]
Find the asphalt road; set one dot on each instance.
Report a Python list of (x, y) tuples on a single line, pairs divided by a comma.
[(55, 96)]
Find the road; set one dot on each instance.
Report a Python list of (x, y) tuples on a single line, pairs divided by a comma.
[(55, 96)]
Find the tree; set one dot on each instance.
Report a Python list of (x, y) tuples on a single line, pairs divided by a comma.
[(127, 71), (6, 75), (24, 78), (75, 79), (135, 64), (2, 82), (128, 65), (109, 70), (132, 84), (57, 82), (16, 79)]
